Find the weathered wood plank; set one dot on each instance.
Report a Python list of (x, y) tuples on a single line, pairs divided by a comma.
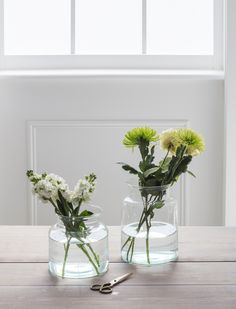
[(30, 244), (165, 297), (36, 274)]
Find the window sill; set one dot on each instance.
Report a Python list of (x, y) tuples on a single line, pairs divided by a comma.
[(162, 74)]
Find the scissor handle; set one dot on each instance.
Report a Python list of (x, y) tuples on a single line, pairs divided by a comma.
[(96, 287), (106, 288)]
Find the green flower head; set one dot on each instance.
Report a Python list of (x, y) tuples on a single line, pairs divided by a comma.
[(193, 141), (137, 136)]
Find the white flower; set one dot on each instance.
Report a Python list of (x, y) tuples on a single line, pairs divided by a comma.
[(55, 180), (45, 190), (59, 184), (68, 195), (35, 177), (48, 186), (83, 190), (168, 141)]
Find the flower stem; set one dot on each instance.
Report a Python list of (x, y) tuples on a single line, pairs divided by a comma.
[(81, 246), (89, 257), (130, 250), (94, 255), (143, 219), (127, 240), (147, 243), (147, 227), (163, 162), (65, 257)]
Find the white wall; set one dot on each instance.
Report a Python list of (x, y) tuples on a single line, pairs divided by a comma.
[(120, 102), (230, 116)]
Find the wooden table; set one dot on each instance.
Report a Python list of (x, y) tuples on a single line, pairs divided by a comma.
[(203, 277)]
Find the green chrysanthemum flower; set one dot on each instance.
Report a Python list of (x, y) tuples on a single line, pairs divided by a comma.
[(192, 140), (139, 135)]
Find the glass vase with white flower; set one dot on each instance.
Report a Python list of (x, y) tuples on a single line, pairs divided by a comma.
[(78, 243), (149, 214)]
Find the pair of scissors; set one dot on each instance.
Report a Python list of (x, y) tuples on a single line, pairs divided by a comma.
[(106, 288)]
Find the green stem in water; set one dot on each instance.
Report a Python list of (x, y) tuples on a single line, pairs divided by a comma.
[(65, 256), (89, 257), (128, 251), (147, 227), (147, 243), (94, 255), (143, 219), (127, 240), (81, 246), (132, 249)]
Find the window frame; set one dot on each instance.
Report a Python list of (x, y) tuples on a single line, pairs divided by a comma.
[(143, 61)]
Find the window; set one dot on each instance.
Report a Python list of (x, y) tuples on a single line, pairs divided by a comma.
[(164, 34)]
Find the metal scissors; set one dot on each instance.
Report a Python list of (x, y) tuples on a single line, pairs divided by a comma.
[(106, 288)]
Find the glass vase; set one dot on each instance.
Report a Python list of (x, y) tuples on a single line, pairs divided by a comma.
[(149, 226), (78, 248)]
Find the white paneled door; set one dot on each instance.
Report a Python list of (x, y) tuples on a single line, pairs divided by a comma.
[(74, 126)]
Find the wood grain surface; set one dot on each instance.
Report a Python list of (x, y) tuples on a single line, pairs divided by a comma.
[(203, 277)]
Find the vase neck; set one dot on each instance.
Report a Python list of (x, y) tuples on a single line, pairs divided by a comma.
[(88, 219), (145, 192)]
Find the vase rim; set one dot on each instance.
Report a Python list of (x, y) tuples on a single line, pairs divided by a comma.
[(159, 188), (93, 216)]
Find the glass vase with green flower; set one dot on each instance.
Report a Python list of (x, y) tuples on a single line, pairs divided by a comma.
[(78, 243), (149, 213)]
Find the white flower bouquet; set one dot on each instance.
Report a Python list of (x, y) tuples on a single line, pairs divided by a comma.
[(53, 189)]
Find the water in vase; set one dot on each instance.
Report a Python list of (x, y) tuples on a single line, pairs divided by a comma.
[(86, 258), (160, 246)]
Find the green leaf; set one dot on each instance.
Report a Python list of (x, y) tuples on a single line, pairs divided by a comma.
[(150, 171), (144, 166), (155, 205), (86, 213), (152, 150), (64, 203), (190, 173), (151, 182), (141, 179), (70, 205), (174, 170), (180, 151), (183, 166), (158, 205), (61, 208), (164, 164), (75, 211), (172, 167), (128, 168)]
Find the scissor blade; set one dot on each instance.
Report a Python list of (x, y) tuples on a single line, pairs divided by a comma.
[(120, 279)]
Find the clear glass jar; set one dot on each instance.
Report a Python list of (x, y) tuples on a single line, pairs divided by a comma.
[(78, 248), (149, 226)]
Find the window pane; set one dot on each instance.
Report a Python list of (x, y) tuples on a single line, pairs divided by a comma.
[(108, 26), (37, 27), (180, 27)]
